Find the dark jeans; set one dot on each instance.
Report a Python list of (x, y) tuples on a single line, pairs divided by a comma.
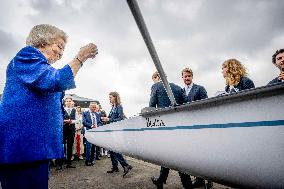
[(98, 152), (25, 176), (90, 152), (185, 179), (115, 158)]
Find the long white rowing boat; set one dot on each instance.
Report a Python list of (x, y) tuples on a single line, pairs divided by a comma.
[(235, 139)]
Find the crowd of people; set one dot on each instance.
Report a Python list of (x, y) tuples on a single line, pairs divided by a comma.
[(77, 122), (32, 136), (235, 75)]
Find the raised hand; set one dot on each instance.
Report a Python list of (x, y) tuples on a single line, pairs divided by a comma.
[(87, 51)]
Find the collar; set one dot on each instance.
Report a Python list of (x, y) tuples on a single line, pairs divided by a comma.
[(189, 86)]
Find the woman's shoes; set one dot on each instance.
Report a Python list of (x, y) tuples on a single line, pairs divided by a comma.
[(126, 170), (158, 184), (114, 169)]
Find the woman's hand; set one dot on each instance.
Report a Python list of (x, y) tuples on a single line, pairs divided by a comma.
[(105, 119), (85, 52), (67, 121), (281, 76), (88, 51)]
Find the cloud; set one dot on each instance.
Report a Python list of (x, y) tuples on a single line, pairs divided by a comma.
[(196, 34)]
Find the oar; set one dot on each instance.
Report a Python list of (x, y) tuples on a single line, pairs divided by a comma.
[(134, 7)]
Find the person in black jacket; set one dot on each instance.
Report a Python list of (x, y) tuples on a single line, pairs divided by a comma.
[(278, 61), (160, 99), (235, 75), (193, 91), (116, 114), (70, 118)]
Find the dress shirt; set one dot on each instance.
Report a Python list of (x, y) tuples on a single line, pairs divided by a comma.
[(188, 88), (77, 119), (232, 89)]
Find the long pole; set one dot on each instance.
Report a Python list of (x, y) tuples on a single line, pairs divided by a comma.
[(134, 7)]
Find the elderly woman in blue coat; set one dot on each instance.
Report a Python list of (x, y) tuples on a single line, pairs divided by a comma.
[(31, 121)]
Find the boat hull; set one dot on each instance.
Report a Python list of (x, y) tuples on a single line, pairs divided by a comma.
[(232, 140)]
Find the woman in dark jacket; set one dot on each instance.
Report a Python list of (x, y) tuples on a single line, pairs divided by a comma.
[(116, 114), (235, 75)]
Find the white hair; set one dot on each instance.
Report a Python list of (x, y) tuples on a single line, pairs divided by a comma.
[(44, 34), (94, 104)]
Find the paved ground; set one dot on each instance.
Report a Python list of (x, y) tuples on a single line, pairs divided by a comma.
[(95, 177)]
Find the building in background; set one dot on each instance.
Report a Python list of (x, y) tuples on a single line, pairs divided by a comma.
[(81, 101)]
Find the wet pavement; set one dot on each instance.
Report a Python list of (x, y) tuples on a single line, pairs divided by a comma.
[(96, 177)]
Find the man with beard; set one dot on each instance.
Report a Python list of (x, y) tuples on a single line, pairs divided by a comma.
[(193, 92)]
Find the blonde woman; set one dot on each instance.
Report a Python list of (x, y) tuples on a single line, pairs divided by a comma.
[(235, 75)]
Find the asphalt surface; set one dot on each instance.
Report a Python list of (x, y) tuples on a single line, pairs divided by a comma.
[(96, 177)]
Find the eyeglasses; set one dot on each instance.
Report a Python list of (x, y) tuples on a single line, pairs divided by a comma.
[(60, 47)]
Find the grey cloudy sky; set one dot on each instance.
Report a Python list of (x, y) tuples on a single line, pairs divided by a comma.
[(199, 34)]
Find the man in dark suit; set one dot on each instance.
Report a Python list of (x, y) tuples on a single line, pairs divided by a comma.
[(193, 92), (91, 119), (278, 61), (160, 99), (70, 118)]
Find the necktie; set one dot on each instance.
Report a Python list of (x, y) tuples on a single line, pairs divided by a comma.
[(94, 119), (69, 111)]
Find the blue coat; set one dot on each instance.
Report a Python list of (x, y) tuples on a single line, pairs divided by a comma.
[(197, 92), (245, 83), (274, 81), (87, 120), (31, 117), (116, 114), (159, 97)]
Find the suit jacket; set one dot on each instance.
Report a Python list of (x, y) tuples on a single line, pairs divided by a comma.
[(116, 114), (69, 129), (245, 83), (197, 92), (275, 80), (87, 120), (159, 97), (31, 118)]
